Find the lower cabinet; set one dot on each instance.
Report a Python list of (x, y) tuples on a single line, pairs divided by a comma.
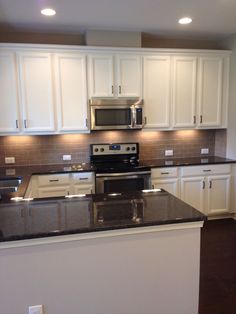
[(206, 187), (210, 192), (166, 178), (60, 184)]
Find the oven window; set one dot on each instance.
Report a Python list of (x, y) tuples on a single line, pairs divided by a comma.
[(122, 185), (106, 117)]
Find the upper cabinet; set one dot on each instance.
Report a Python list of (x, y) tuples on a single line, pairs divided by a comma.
[(184, 91), (114, 75), (71, 92), (156, 91), (36, 91), (9, 118), (45, 89), (210, 93)]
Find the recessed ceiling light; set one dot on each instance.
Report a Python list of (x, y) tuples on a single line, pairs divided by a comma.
[(185, 20), (48, 12)]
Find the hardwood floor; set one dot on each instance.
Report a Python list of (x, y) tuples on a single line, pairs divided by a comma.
[(218, 267)]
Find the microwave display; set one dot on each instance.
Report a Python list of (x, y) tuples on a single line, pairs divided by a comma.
[(107, 117)]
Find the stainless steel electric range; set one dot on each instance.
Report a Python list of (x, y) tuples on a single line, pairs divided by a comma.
[(117, 168)]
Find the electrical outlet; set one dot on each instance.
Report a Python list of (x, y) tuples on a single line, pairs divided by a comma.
[(10, 160), (204, 151), (169, 152), (36, 309), (66, 157)]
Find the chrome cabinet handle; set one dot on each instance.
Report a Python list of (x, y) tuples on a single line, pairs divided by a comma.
[(210, 184), (194, 119), (153, 187), (119, 89), (207, 170), (112, 89), (145, 120), (203, 185), (54, 180), (25, 123), (165, 173), (17, 125), (83, 179), (200, 118), (86, 122)]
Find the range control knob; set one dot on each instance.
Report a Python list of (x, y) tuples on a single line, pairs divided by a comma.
[(101, 149), (96, 150), (128, 148), (133, 148)]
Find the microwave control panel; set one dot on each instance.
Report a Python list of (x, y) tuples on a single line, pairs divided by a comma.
[(114, 149)]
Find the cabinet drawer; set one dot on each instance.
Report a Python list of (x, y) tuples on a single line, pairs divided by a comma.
[(164, 172), (53, 179), (205, 170), (83, 177)]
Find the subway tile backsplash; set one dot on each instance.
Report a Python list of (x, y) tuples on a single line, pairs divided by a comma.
[(49, 149)]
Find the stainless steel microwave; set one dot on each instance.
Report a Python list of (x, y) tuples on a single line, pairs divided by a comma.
[(115, 114)]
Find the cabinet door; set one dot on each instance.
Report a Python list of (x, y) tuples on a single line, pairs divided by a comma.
[(44, 217), (192, 192), (128, 76), (36, 91), (170, 185), (218, 194), (83, 189), (12, 220), (53, 191), (210, 91), (101, 76), (9, 117), (77, 214), (184, 92), (71, 91), (156, 91)]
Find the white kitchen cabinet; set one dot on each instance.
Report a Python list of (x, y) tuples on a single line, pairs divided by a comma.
[(192, 192), (207, 188), (71, 92), (9, 118), (165, 178), (114, 75), (36, 91), (156, 91), (60, 184), (210, 91), (184, 91), (53, 191), (218, 194)]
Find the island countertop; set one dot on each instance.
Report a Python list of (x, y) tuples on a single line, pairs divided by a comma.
[(92, 213)]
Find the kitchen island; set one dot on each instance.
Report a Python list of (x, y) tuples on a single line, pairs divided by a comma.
[(114, 253)]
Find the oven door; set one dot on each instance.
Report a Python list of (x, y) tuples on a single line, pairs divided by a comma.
[(122, 182)]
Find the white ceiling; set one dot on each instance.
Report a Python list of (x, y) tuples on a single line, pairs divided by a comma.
[(214, 19)]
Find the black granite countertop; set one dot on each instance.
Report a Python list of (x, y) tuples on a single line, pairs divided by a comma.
[(94, 213)]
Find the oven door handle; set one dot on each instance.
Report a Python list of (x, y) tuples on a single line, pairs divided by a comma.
[(123, 174)]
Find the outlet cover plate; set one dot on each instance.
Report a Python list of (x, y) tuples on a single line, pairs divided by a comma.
[(205, 151), (169, 152), (36, 309), (10, 160), (66, 157)]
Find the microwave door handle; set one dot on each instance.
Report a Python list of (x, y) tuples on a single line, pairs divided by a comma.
[(131, 126)]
